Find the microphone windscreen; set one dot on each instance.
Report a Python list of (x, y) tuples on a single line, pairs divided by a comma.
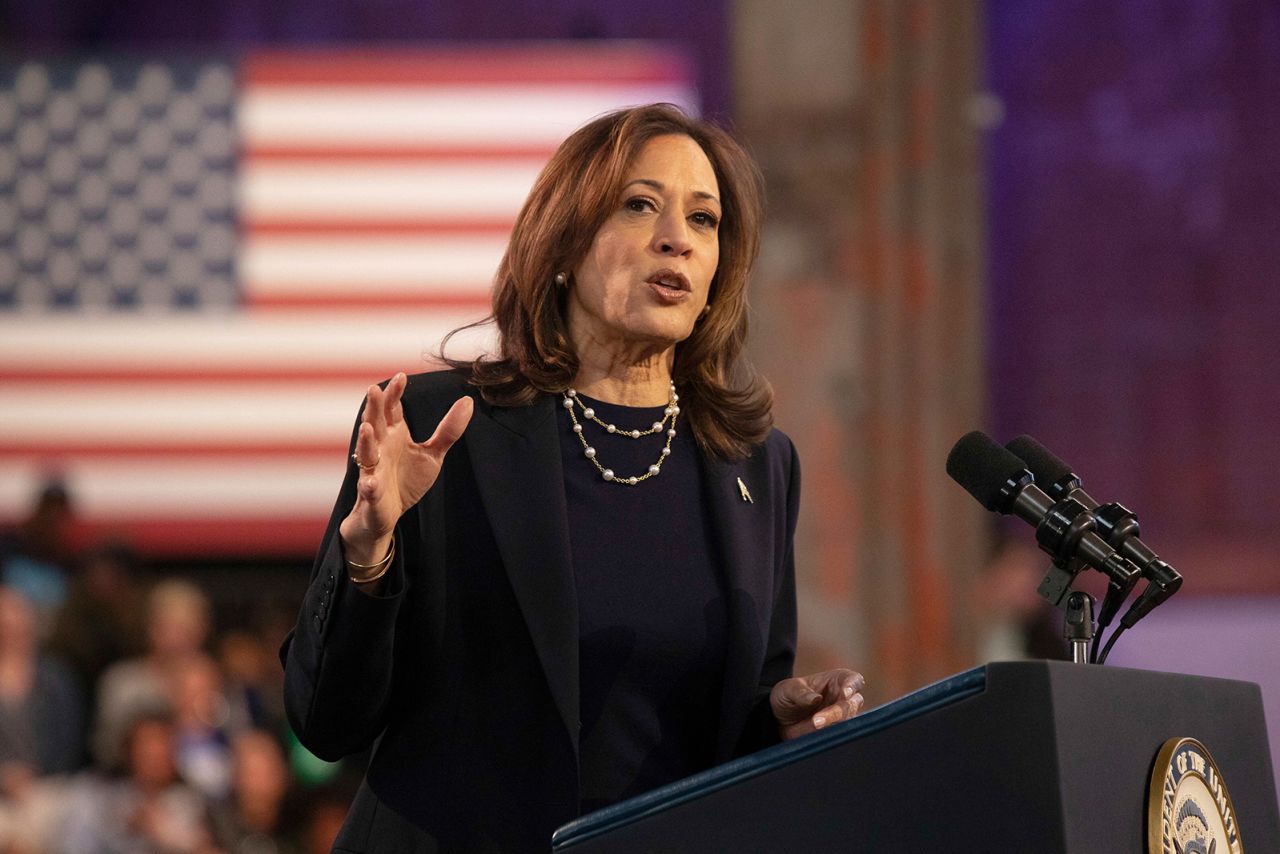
[(984, 469), (1046, 467)]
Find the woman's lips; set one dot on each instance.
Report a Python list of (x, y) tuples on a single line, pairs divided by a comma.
[(669, 286), (668, 294)]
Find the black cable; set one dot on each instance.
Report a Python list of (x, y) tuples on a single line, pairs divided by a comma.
[(1097, 639), (1106, 650)]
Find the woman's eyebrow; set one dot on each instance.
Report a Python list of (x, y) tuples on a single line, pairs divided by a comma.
[(660, 187)]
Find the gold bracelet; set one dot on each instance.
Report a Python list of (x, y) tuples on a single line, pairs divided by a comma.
[(385, 564)]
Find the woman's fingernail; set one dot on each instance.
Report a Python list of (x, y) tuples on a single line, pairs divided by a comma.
[(819, 721), (848, 690)]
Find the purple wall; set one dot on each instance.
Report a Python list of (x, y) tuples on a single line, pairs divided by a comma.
[(1134, 214)]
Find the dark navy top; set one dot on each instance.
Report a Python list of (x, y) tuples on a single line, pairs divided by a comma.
[(652, 614)]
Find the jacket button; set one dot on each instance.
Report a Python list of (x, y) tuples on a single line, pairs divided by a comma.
[(328, 585)]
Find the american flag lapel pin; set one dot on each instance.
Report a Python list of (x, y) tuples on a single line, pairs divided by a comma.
[(746, 495)]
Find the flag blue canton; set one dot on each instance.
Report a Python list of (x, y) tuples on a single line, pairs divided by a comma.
[(117, 186)]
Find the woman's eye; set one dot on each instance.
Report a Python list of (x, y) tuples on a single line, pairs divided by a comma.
[(707, 220), (640, 204)]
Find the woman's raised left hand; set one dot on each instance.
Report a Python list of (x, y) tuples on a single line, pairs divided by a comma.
[(803, 704)]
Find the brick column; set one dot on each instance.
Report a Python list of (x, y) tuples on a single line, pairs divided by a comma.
[(869, 314)]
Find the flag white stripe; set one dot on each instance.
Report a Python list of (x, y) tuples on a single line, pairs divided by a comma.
[(375, 190), (164, 411), (240, 487), (479, 115), (284, 341), (287, 265)]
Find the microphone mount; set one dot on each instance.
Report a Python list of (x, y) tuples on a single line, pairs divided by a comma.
[(1078, 626)]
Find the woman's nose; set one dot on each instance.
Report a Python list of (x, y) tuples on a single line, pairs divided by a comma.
[(671, 237)]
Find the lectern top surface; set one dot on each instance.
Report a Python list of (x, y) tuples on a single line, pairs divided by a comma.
[(920, 702)]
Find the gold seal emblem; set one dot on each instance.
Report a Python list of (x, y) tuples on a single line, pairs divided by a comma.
[(1188, 808)]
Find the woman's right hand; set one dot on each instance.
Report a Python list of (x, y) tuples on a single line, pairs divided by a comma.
[(395, 471)]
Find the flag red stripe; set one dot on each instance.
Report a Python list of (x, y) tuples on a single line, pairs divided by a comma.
[(154, 452), (255, 226), (258, 536), (551, 66), (76, 374), (358, 296), (322, 153)]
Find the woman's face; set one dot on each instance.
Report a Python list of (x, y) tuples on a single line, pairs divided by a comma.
[(647, 275)]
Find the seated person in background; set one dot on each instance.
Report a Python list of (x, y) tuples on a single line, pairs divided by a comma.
[(148, 809), (101, 622), (254, 818), (177, 628), (35, 557), (41, 722)]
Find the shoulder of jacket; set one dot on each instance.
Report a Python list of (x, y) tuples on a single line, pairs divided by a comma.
[(778, 458), (428, 396), (778, 442), (432, 388), (776, 450)]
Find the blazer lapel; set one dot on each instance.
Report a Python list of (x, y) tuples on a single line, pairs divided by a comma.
[(741, 529), (515, 453)]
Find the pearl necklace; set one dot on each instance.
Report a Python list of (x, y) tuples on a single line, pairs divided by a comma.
[(672, 411)]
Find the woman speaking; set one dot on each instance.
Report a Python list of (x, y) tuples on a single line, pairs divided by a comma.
[(562, 574)]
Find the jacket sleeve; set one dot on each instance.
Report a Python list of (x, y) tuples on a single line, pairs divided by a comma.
[(338, 658), (761, 729)]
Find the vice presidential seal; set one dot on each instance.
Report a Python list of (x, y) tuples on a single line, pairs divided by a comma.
[(1188, 808)]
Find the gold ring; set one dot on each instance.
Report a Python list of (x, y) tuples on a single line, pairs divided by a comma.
[(356, 459)]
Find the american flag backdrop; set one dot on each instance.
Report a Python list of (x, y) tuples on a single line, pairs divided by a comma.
[(204, 262)]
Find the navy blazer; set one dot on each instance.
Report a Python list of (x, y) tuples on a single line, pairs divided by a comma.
[(464, 668)]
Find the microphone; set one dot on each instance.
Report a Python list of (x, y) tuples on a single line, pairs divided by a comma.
[(1064, 528), (1116, 523)]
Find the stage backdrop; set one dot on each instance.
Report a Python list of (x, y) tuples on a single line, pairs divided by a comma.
[(1134, 191), (205, 261)]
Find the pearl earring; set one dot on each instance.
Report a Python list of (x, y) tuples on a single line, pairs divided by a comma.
[(561, 279)]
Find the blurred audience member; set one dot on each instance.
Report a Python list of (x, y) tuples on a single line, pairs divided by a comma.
[(253, 821), (148, 810), (1016, 622), (201, 714), (177, 628), (31, 821), (254, 678), (101, 622), (186, 739), (34, 558), (325, 812), (41, 710)]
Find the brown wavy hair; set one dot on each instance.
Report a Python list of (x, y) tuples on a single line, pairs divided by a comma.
[(727, 405)]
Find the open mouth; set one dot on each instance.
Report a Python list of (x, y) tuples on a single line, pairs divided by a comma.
[(670, 283)]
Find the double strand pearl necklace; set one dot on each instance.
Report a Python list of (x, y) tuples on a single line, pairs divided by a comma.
[(672, 411)]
